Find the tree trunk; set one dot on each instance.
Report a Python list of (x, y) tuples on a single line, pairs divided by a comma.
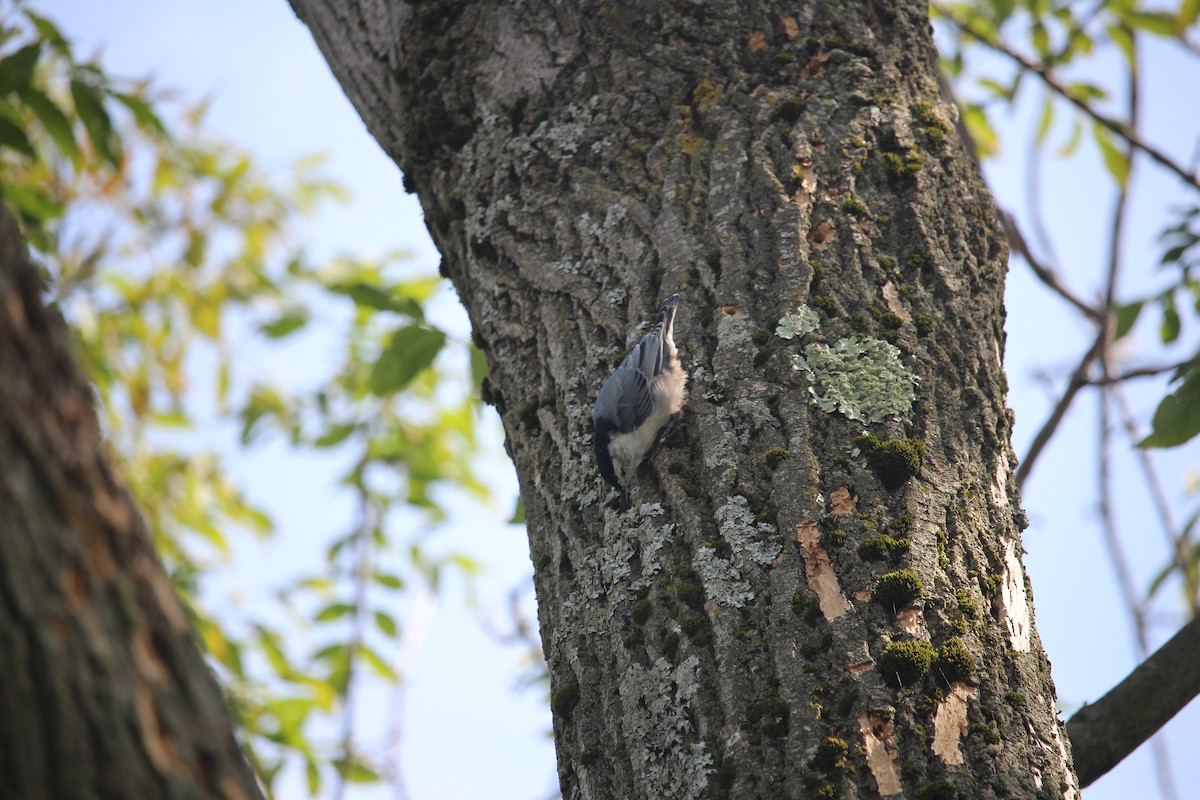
[(790, 609), (104, 692)]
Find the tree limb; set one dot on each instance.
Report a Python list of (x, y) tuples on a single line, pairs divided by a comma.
[(1105, 732)]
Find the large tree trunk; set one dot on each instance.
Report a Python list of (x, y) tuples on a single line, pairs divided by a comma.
[(764, 621), (103, 691)]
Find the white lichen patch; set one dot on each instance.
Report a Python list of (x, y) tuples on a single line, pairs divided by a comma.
[(655, 721), (1013, 601), (749, 539), (864, 379), (821, 577), (881, 753), (723, 583), (950, 723), (804, 320)]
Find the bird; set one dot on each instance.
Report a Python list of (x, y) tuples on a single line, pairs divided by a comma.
[(633, 405)]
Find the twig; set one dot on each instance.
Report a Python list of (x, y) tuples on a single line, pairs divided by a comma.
[(1045, 274), (1116, 126), (1143, 372), (1079, 379)]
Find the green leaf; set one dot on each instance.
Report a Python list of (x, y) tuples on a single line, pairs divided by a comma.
[(1121, 36), (143, 113), (479, 367), (90, 107), (290, 321), (1159, 23), (355, 771), (518, 517), (1177, 418), (1168, 330), (1044, 121), (1189, 12), (333, 611), (54, 121), (389, 581), (313, 774), (16, 70), (1126, 317), (377, 664), (1116, 160), (49, 32), (12, 137), (411, 350), (387, 623), (981, 130), (1072, 144), (335, 435)]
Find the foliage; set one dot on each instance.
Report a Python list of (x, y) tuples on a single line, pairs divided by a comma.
[(174, 257), (1081, 64)]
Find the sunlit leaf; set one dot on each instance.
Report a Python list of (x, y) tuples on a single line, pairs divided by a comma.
[(387, 624), (334, 611), (54, 121), (1116, 160), (1126, 317), (90, 107), (411, 350), (1170, 326), (1177, 418), (290, 321)]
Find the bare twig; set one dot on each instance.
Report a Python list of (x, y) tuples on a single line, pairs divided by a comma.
[(1118, 127), (1143, 372), (1079, 379), (1045, 274)]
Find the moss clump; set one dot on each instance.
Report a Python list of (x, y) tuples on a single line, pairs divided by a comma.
[(893, 461), (903, 664), (776, 456), (967, 604), (830, 755), (896, 590), (930, 123), (852, 205), (670, 645), (954, 661), (890, 320), (824, 302), (689, 591), (924, 324), (565, 697), (938, 790), (904, 167), (770, 715), (641, 611), (790, 110), (835, 537), (878, 548)]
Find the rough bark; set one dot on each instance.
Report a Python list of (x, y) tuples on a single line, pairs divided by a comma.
[(104, 692), (753, 626)]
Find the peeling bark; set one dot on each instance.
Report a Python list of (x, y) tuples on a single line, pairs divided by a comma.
[(794, 175), (105, 692)]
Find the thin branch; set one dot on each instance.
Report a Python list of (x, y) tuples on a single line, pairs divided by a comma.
[(1079, 379), (1116, 126), (1045, 274), (1144, 372), (1105, 732)]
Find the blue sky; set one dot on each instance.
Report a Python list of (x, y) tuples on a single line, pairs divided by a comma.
[(468, 733)]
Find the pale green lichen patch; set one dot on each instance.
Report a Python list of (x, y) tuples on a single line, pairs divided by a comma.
[(803, 321), (724, 582), (656, 721), (861, 378)]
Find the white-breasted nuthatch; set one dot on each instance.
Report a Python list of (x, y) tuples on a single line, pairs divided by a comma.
[(647, 387)]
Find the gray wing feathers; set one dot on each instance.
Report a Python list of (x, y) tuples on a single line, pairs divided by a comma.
[(628, 389)]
